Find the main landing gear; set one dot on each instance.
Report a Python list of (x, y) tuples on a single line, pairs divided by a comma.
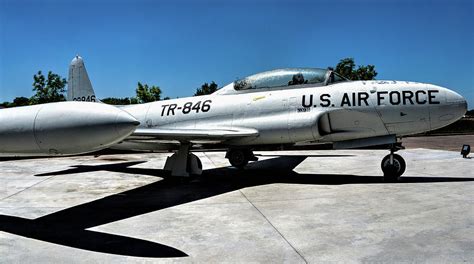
[(393, 166), (183, 163), (240, 157)]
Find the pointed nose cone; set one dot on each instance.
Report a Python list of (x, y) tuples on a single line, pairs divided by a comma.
[(449, 109), (457, 101), (463, 106)]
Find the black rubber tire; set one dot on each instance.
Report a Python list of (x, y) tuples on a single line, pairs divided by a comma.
[(238, 158), (392, 173)]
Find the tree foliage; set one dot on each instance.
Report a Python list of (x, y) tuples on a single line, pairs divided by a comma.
[(147, 94), (18, 101), (21, 101), (206, 89), (120, 101), (347, 68), (50, 89)]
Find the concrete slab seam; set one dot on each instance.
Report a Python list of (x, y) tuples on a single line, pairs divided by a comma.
[(27, 188), (282, 236), (205, 154)]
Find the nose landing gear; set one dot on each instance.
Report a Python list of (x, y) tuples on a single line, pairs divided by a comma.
[(393, 166)]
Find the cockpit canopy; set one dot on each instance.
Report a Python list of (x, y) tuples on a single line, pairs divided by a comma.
[(288, 77)]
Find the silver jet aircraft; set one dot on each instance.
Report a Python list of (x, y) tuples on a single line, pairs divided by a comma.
[(285, 107)]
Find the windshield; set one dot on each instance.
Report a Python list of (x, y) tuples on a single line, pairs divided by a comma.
[(287, 77), (335, 78)]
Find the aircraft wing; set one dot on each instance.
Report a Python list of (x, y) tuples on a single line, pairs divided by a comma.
[(193, 134)]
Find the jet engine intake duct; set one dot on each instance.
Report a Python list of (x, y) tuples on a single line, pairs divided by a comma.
[(324, 125)]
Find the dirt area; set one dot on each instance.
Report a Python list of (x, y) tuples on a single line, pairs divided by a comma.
[(453, 143)]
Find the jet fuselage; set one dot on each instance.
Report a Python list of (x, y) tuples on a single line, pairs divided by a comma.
[(340, 111)]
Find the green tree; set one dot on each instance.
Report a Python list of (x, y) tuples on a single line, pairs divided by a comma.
[(21, 101), (147, 94), (118, 101), (347, 68), (133, 100), (206, 89), (18, 101), (5, 105), (48, 90)]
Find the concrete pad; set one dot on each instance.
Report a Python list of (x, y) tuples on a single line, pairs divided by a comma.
[(294, 206)]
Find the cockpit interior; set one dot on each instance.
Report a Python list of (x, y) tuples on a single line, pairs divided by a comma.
[(284, 79)]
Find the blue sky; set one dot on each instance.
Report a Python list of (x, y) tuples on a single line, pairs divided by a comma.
[(178, 45)]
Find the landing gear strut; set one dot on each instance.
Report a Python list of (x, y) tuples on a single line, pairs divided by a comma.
[(183, 163), (393, 166), (240, 157)]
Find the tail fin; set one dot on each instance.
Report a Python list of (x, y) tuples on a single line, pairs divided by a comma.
[(79, 85)]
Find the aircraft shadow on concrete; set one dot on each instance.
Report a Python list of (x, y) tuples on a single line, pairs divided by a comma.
[(68, 227)]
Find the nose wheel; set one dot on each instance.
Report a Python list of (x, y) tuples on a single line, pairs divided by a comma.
[(393, 166)]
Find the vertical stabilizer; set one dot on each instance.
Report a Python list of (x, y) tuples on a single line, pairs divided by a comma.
[(79, 85)]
